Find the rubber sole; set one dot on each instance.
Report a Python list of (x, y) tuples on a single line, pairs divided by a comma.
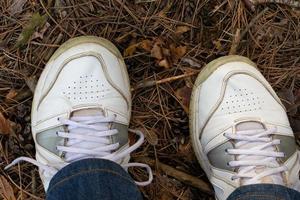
[(207, 71)]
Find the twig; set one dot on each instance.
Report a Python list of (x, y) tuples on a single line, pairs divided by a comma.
[(249, 5), (165, 80), (179, 175), (239, 36), (21, 96), (33, 184), (252, 22), (235, 42), (50, 16), (51, 51), (128, 10), (292, 3)]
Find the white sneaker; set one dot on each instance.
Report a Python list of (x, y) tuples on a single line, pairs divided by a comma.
[(239, 128), (81, 108)]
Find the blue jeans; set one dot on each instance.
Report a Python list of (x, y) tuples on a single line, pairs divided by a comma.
[(97, 179)]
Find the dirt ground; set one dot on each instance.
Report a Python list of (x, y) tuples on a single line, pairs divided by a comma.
[(165, 44)]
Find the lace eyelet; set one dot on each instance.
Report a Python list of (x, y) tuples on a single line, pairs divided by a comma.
[(232, 178)]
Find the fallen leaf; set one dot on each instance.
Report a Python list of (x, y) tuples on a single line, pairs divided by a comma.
[(5, 127), (36, 21), (11, 95), (180, 51), (16, 6), (146, 45), (6, 191), (129, 51), (156, 51), (183, 95), (181, 29), (164, 63), (166, 52), (122, 38)]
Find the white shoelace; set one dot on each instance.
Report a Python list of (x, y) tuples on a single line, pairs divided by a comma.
[(253, 149), (88, 138)]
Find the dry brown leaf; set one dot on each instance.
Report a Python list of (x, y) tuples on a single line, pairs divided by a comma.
[(181, 29), (183, 95), (5, 127), (180, 51), (129, 51), (6, 191), (164, 63), (11, 95), (177, 52), (156, 51), (166, 52), (147, 45)]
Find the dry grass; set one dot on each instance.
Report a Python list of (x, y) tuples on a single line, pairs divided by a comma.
[(271, 40)]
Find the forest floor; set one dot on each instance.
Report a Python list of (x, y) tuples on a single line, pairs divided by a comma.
[(165, 45)]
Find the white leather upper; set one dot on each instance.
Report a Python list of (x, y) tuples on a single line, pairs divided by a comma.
[(84, 76), (235, 92), (218, 97)]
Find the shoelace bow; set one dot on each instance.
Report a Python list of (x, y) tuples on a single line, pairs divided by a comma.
[(264, 147), (84, 130)]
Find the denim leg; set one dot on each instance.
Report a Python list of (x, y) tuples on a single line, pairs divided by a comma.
[(92, 179), (264, 192)]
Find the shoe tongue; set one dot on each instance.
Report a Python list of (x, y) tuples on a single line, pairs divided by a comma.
[(49, 140), (243, 126), (272, 179), (88, 112)]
